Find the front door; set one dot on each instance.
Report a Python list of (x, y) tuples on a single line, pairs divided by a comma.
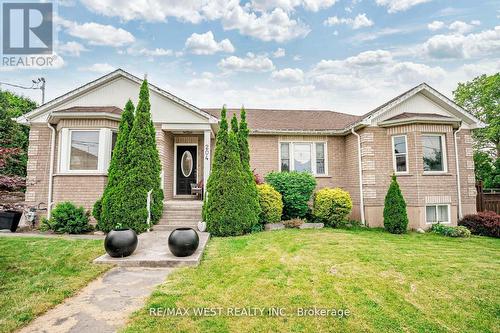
[(185, 169)]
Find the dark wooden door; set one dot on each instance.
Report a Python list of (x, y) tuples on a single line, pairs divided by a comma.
[(186, 169)]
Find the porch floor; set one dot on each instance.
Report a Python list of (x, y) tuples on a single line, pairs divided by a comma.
[(152, 251)]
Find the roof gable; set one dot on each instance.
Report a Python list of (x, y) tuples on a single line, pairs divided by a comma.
[(113, 90), (422, 99)]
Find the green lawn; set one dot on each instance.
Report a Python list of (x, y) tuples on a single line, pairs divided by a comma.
[(389, 283), (38, 273)]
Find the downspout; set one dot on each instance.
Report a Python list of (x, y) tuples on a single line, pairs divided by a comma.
[(51, 168), (360, 170), (458, 171)]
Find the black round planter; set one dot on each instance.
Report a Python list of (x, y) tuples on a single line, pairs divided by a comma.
[(120, 243), (182, 242), (9, 219)]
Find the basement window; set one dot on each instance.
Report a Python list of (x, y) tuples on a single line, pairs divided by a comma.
[(437, 214)]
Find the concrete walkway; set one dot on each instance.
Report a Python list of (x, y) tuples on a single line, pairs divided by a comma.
[(152, 251), (104, 305)]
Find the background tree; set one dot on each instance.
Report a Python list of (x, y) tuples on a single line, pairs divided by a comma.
[(111, 208), (144, 168), (395, 215), (12, 134), (481, 97)]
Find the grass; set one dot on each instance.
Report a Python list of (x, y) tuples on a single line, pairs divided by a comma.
[(38, 273), (389, 283)]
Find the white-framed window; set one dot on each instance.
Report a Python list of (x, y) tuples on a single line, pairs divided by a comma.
[(439, 213), (434, 153), (304, 156), (400, 153), (86, 150)]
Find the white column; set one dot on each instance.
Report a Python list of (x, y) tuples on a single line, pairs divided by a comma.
[(206, 159)]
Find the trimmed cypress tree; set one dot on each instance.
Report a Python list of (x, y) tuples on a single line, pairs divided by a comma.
[(251, 190), (144, 169), (395, 215), (108, 210), (224, 208)]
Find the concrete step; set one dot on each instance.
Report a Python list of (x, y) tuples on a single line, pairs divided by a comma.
[(170, 227), (181, 218), (182, 215), (184, 204)]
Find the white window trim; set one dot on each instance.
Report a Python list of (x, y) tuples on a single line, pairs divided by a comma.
[(103, 157), (437, 205), (394, 166), (445, 154), (313, 155)]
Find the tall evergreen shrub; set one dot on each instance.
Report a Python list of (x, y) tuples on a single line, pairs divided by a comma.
[(225, 208), (395, 215), (251, 191), (109, 211), (144, 169)]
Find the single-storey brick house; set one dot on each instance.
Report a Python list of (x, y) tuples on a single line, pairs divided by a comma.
[(420, 135)]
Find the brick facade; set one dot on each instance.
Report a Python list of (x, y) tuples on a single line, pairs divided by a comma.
[(418, 188)]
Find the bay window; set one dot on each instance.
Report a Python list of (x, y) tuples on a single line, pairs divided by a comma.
[(400, 153), (86, 151), (434, 153), (303, 156)]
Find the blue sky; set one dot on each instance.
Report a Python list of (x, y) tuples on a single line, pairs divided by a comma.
[(345, 55)]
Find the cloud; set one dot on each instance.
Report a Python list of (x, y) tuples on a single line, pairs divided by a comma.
[(435, 25), (270, 25), (71, 49), (151, 11), (371, 72), (360, 21), (290, 5), (276, 25), (206, 44), (157, 52), (100, 68), (288, 75), (251, 63), (461, 27), (205, 81), (363, 59), (97, 34), (394, 6), (279, 53), (457, 46)]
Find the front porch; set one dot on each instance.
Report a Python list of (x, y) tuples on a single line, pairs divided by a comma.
[(185, 153)]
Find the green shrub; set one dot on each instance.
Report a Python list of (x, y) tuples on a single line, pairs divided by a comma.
[(97, 210), (271, 204), (444, 230), (113, 199), (143, 172), (296, 189), (227, 209), (293, 223), (67, 218), (331, 206), (395, 215)]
